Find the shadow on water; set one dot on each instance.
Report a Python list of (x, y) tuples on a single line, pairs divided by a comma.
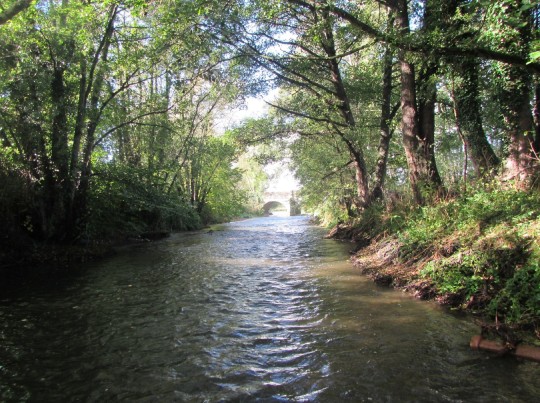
[(258, 310)]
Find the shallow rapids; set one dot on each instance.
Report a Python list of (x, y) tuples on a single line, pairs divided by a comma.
[(259, 310)]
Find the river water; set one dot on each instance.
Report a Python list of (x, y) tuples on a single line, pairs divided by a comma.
[(258, 310)]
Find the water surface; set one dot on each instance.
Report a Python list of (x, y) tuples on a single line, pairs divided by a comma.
[(259, 310)]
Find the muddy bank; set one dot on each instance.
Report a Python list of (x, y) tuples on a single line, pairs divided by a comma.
[(380, 262), (385, 260), (377, 258)]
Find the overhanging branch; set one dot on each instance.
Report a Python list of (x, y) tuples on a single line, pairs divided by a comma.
[(422, 47), (306, 116), (15, 9)]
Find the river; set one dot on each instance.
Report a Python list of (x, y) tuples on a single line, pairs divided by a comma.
[(259, 310)]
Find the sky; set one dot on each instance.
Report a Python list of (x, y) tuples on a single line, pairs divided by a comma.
[(255, 107), (284, 181)]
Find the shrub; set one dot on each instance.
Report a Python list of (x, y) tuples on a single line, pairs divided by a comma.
[(122, 204)]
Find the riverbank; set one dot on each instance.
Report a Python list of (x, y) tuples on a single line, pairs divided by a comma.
[(23, 259), (479, 253), (28, 261)]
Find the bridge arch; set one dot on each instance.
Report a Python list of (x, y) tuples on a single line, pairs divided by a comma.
[(274, 205), (281, 201)]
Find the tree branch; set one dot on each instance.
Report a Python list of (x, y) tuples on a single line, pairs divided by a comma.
[(127, 123), (306, 116), (15, 9), (403, 41)]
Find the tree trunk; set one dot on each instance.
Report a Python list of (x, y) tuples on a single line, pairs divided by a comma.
[(435, 17), (426, 116), (344, 106), (58, 198), (59, 156), (418, 167), (361, 178), (514, 97), (419, 164), (386, 134), (519, 149), (467, 104), (91, 114), (536, 114)]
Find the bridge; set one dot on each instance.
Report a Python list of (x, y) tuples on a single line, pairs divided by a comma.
[(281, 201)]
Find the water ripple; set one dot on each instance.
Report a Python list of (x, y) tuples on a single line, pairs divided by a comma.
[(261, 310)]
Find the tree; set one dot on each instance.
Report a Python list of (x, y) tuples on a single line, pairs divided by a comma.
[(470, 45), (45, 67), (310, 66), (254, 178), (417, 139), (13, 9), (70, 72), (465, 94), (322, 165), (515, 92)]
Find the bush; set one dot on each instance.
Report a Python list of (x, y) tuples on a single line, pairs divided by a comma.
[(481, 251), (124, 204), (518, 301)]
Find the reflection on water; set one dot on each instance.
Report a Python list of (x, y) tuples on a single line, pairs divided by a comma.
[(258, 310)]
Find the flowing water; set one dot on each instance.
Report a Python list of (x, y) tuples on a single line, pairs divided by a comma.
[(259, 310)]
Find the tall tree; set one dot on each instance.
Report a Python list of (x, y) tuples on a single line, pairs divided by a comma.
[(385, 130), (515, 91), (418, 145), (311, 64), (466, 98), (457, 21), (73, 61), (14, 8)]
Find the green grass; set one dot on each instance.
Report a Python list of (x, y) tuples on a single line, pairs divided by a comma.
[(481, 248)]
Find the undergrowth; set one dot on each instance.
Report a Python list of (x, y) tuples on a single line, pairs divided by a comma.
[(479, 251)]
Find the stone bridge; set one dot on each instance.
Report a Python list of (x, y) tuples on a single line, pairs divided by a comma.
[(285, 201)]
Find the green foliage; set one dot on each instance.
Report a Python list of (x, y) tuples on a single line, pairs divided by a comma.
[(478, 251), (226, 200), (106, 120), (456, 277), (220, 198), (519, 300), (375, 220), (471, 214), (123, 204), (326, 177), (505, 285), (253, 182), (482, 249), (475, 272), (534, 55)]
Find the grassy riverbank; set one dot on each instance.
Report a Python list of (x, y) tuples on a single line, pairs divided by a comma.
[(479, 252)]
